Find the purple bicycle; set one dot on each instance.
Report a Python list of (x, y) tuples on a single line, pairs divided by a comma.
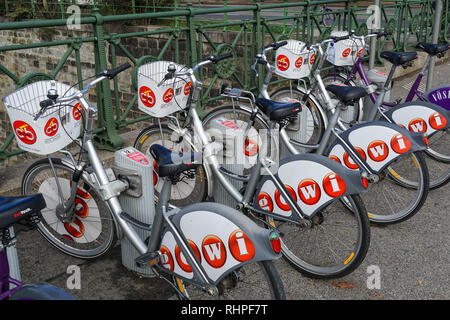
[(21, 210), (380, 84)]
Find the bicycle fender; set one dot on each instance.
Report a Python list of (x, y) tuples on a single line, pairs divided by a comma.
[(379, 143), (221, 238), (313, 181), (439, 96), (420, 116)]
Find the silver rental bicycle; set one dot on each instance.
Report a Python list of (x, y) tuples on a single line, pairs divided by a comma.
[(205, 250), (321, 237), (398, 180)]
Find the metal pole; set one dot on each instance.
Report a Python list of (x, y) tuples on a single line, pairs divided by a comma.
[(435, 38), (373, 40)]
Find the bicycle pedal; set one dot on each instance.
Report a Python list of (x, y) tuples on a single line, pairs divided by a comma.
[(147, 259)]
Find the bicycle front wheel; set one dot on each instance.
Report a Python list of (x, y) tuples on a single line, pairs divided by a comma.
[(192, 187), (254, 281), (85, 231), (333, 245)]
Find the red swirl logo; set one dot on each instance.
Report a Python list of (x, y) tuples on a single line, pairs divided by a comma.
[(24, 132), (147, 96), (168, 95), (282, 62)]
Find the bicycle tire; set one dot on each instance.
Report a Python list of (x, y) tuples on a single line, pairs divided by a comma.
[(302, 266), (196, 190), (420, 188), (95, 220), (350, 259), (273, 282)]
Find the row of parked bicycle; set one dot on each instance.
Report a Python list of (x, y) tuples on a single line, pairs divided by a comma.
[(298, 173)]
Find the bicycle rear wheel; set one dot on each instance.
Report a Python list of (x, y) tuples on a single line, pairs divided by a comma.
[(254, 281), (333, 245), (400, 192)]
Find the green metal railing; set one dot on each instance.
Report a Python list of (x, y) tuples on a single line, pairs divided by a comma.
[(187, 38)]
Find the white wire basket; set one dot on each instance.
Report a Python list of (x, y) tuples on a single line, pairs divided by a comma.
[(54, 129), (344, 52), (294, 60), (171, 96)]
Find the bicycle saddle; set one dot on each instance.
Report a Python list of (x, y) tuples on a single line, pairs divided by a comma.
[(170, 163), (398, 58), (433, 49), (347, 94), (278, 110), (15, 209)]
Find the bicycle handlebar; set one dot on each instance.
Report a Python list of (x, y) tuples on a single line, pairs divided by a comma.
[(108, 73)]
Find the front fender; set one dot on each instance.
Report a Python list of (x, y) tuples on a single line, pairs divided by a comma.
[(378, 144), (314, 181), (222, 239), (420, 116)]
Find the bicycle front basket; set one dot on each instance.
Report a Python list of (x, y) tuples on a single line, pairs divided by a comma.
[(159, 101), (54, 129), (345, 52), (294, 60)]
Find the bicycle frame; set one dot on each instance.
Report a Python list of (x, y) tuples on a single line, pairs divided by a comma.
[(111, 190), (245, 200)]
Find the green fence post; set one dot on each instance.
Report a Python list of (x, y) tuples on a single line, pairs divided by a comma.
[(108, 138), (257, 42)]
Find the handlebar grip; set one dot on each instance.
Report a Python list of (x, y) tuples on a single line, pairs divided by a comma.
[(337, 39), (277, 45), (46, 103), (111, 73), (215, 59)]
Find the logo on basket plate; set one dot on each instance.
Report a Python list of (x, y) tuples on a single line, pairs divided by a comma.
[(360, 53), (312, 59), (168, 95), (187, 88), (76, 111), (299, 62), (51, 128), (346, 52), (24, 132), (147, 96), (282, 62)]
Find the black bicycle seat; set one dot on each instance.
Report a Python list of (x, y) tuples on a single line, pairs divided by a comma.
[(171, 163), (433, 49), (347, 94), (398, 58), (278, 110), (15, 209)]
